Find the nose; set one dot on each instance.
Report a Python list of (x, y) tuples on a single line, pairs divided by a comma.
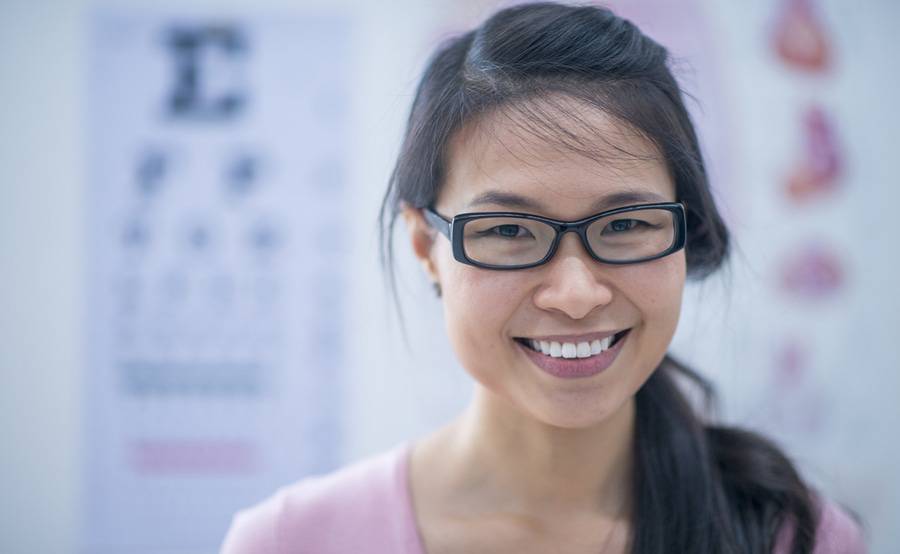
[(570, 283)]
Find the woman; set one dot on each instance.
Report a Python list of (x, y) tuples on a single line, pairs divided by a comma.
[(549, 119)]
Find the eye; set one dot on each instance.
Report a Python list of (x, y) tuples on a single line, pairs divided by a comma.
[(509, 231), (622, 225)]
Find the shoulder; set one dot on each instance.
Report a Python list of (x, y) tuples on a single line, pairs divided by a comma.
[(361, 507), (838, 532)]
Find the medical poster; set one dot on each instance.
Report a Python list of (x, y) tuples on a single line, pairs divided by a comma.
[(217, 160)]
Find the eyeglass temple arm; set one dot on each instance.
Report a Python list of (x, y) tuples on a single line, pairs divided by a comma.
[(437, 221)]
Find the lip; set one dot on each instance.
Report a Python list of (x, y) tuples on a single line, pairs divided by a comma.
[(575, 368)]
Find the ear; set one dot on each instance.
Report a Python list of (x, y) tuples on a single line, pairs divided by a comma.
[(422, 237)]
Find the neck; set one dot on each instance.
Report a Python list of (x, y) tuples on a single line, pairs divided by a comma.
[(521, 464)]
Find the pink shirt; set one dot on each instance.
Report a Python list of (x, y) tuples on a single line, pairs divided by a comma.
[(367, 507)]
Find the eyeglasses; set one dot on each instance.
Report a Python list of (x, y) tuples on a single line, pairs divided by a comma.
[(510, 240)]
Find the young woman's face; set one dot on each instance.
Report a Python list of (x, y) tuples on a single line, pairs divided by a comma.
[(572, 295)]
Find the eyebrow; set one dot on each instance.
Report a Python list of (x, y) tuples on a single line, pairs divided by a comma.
[(513, 200)]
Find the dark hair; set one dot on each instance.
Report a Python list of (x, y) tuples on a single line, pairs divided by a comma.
[(698, 487)]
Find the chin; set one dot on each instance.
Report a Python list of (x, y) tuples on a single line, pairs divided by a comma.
[(564, 417)]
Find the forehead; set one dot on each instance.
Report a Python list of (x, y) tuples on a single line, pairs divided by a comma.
[(563, 161)]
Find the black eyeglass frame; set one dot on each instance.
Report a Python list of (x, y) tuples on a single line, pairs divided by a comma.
[(453, 230)]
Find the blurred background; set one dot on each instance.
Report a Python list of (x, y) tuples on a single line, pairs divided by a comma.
[(192, 312)]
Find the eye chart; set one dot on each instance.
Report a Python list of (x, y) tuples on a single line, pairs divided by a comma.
[(217, 160)]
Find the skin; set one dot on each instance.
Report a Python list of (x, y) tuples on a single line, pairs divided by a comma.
[(537, 463)]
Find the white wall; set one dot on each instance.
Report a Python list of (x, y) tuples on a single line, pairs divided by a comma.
[(42, 263)]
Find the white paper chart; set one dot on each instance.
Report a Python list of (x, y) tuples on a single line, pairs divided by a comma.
[(217, 154)]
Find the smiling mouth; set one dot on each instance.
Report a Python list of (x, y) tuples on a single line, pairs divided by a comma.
[(571, 350)]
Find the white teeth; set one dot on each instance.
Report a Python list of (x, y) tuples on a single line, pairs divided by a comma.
[(555, 349), (584, 350), (570, 350)]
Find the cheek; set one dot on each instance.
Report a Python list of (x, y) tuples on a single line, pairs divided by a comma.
[(473, 296), (656, 285), (478, 303), (656, 290), (478, 306)]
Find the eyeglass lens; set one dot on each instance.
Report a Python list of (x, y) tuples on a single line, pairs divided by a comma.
[(622, 237)]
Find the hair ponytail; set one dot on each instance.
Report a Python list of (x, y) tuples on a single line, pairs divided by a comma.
[(706, 488)]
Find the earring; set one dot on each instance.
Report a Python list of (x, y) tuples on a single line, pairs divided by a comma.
[(437, 288)]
